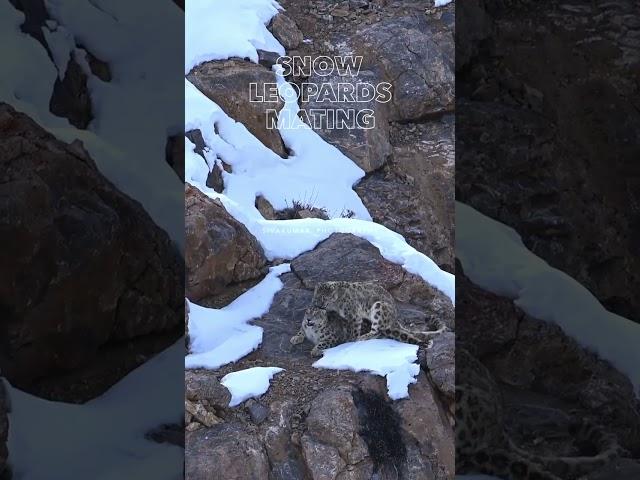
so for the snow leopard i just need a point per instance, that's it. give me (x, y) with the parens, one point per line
(339, 312)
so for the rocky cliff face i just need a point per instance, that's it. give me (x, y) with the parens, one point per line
(547, 103)
(66, 230)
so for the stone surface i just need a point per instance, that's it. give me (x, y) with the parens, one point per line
(225, 451)
(414, 194)
(67, 229)
(540, 369)
(286, 31)
(219, 249)
(416, 55)
(228, 84)
(202, 387)
(348, 258)
(366, 142)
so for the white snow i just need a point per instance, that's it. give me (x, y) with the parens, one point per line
(248, 383)
(257, 170)
(220, 29)
(442, 3)
(221, 336)
(495, 258)
(388, 358)
(104, 438)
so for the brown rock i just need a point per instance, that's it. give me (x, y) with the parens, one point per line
(228, 84)
(67, 229)
(416, 55)
(323, 461)
(349, 258)
(425, 422)
(219, 249)
(286, 31)
(368, 147)
(223, 452)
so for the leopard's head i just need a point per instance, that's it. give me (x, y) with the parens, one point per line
(314, 318)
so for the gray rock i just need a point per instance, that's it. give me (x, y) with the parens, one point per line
(348, 258)
(286, 31)
(417, 56)
(228, 84)
(257, 411)
(201, 386)
(223, 452)
(4, 428)
(440, 363)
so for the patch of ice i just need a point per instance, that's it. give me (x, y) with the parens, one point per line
(495, 258)
(248, 383)
(388, 358)
(221, 336)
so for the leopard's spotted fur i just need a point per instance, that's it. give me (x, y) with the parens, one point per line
(353, 303)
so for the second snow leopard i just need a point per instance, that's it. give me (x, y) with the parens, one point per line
(339, 311)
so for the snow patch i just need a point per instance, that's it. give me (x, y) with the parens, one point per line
(248, 383)
(220, 29)
(495, 258)
(221, 336)
(442, 3)
(385, 357)
(84, 441)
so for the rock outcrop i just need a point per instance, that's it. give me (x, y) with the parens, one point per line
(338, 424)
(416, 55)
(542, 372)
(364, 137)
(67, 229)
(228, 83)
(219, 250)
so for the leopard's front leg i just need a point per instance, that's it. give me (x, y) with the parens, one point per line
(318, 350)
(298, 338)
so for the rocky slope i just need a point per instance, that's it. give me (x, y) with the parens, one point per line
(316, 424)
(409, 155)
(69, 230)
(546, 109)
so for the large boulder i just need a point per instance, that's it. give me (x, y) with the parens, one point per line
(414, 194)
(286, 31)
(366, 141)
(87, 264)
(228, 83)
(416, 55)
(219, 250)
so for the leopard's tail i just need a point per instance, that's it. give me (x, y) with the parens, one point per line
(598, 447)
(403, 335)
